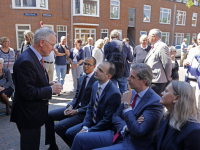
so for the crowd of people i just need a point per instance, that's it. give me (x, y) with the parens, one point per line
(120, 92)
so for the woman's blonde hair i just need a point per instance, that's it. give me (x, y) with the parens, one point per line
(29, 35)
(185, 109)
(99, 43)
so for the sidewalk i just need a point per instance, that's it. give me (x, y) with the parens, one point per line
(9, 134)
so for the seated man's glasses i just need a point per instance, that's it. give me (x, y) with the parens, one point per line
(87, 64)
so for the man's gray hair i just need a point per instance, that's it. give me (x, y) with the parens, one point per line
(155, 32)
(144, 72)
(114, 34)
(143, 36)
(42, 33)
(172, 49)
(184, 39)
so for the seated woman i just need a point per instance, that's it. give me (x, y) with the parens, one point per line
(180, 127)
(6, 86)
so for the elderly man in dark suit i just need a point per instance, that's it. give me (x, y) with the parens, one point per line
(159, 60)
(129, 134)
(88, 48)
(104, 101)
(33, 90)
(75, 111)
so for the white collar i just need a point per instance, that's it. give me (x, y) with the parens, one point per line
(103, 85)
(89, 75)
(145, 47)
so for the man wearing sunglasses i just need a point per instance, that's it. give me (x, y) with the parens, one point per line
(75, 111)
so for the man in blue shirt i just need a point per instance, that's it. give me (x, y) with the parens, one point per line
(61, 51)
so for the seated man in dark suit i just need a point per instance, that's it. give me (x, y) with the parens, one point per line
(104, 101)
(75, 111)
(129, 134)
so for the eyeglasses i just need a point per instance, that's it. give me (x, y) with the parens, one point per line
(87, 64)
(50, 43)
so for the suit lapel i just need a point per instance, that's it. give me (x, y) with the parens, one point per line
(150, 53)
(38, 64)
(91, 81)
(143, 100)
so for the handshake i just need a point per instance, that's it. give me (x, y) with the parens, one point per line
(56, 87)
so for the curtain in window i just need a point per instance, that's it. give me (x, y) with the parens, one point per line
(29, 3)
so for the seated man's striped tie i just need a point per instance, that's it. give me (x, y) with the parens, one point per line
(96, 105)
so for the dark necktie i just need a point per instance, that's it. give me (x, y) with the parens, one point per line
(91, 50)
(132, 105)
(96, 105)
(42, 62)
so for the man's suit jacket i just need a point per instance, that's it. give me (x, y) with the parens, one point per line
(141, 135)
(159, 61)
(187, 138)
(87, 50)
(32, 91)
(84, 98)
(109, 101)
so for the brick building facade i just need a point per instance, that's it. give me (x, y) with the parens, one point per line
(84, 18)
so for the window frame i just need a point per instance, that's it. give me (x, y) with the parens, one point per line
(149, 14)
(185, 1)
(167, 37)
(179, 1)
(49, 25)
(175, 42)
(119, 9)
(58, 40)
(81, 9)
(195, 3)
(16, 28)
(105, 32)
(144, 32)
(37, 5)
(169, 10)
(194, 19)
(83, 42)
(184, 17)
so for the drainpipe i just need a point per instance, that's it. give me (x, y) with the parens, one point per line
(71, 37)
(174, 21)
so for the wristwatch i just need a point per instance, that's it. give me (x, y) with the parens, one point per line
(126, 105)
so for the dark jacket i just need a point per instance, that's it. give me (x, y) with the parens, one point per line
(32, 91)
(126, 53)
(175, 68)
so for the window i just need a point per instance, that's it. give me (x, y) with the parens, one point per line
(114, 9)
(165, 15)
(165, 37)
(194, 36)
(20, 28)
(195, 2)
(179, 0)
(30, 4)
(131, 17)
(143, 32)
(104, 33)
(147, 13)
(49, 26)
(61, 31)
(180, 17)
(179, 38)
(194, 19)
(185, 1)
(86, 7)
(84, 33)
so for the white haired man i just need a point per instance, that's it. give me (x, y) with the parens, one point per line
(159, 60)
(140, 51)
(184, 49)
(33, 90)
(193, 65)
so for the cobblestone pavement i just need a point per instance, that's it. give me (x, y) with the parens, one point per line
(9, 135)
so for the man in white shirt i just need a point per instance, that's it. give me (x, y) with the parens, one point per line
(192, 65)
